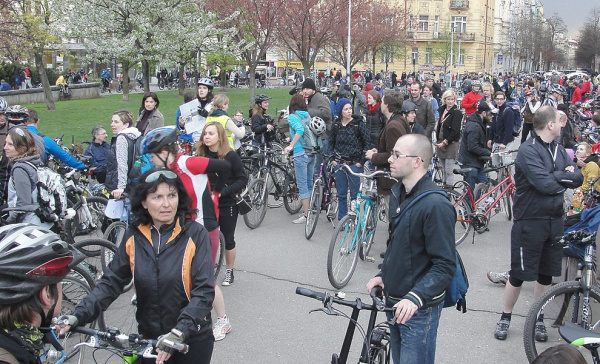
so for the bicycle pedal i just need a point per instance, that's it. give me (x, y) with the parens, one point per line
(369, 259)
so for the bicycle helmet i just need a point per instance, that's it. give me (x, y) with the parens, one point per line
(206, 82)
(260, 98)
(317, 125)
(528, 93)
(3, 105)
(30, 259)
(158, 138)
(475, 83)
(408, 106)
(559, 89)
(16, 114)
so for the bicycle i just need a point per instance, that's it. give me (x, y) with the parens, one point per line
(570, 301)
(580, 337)
(475, 208)
(128, 347)
(375, 346)
(354, 235)
(435, 170)
(323, 197)
(283, 178)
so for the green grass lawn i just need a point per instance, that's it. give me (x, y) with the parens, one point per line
(76, 118)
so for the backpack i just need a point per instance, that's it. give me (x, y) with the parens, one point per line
(457, 289)
(518, 124)
(311, 143)
(137, 163)
(544, 86)
(51, 194)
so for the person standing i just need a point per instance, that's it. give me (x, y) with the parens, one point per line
(543, 170)
(471, 99)
(501, 132)
(473, 145)
(425, 115)
(532, 104)
(149, 118)
(99, 150)
(419, 262)
(318, 106)
(448, 133)
(374, 117)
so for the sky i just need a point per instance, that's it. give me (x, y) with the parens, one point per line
(573, 12)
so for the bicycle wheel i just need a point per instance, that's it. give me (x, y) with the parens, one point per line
(561, 303)
(73, 291)
(368, 234)
(258, 199)
(115, 232)
(463, 216)
(332, 207)
(82, 224)
(220, 257)
(314, 209)
(98, 253)
(506, 202)
(343, 253)
(291, 195)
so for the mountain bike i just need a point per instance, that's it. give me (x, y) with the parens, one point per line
(323, 197)
(476, 208)
(354, 235)
(580, 337)
(577, 301)
(375, 346)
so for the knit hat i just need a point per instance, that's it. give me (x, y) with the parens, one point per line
(340, 105)
(309, 83)
(483, 106)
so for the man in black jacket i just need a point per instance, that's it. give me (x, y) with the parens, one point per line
(420, 261)
(543, 170)
(473, 148)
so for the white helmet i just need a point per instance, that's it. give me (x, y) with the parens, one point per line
(317, 125)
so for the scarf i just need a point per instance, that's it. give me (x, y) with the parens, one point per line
(28, 336)
(373, 108)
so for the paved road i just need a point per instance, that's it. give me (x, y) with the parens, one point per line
(271, 323)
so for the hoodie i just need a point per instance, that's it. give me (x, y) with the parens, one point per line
(120, 160)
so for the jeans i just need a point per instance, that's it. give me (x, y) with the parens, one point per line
(417, 344)
(475, 176)
(343, 181)
(319, 157)
(304, 167)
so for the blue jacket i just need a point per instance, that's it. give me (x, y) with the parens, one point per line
(105, 74)
(502, 126)
(182, 136)
(5, 86)
(54, 149)
(100, 154)
(296, 127)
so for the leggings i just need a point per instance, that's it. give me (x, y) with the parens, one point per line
(214, 243)
(228, 216)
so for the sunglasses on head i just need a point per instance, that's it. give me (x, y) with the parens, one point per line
(152, 177)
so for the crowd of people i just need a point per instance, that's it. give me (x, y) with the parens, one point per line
(180, 202)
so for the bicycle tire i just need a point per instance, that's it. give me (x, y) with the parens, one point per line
(73, 291)
(370, 229)
(507, 204)
(96, 206)
(220, 256)
(463, 216)
(291, 195)
(314, 209)
(343, 251)
(332, 206)
(114, 234)
(258, 200)
(558, 304)
(379, 356)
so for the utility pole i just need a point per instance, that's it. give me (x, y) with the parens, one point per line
(451, 51)
(349, 41)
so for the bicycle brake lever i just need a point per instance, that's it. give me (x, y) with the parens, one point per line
(326, 310)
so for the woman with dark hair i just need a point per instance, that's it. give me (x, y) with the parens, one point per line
(175, 292)
(262, 124)
(23, 155)
(375, 118)
(149, 118)
(304, 160)
(204, 94)
(118, 163)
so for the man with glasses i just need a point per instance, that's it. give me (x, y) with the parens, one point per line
(473, 144)
(501, 132)
(419, 263)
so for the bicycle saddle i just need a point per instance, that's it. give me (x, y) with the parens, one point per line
(463, 171)
(571, 332)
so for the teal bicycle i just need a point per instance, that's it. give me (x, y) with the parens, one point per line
(354, 235)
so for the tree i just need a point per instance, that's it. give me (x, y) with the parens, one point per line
(30, 23)
(442, 49)
(587, 42)
(254, 28)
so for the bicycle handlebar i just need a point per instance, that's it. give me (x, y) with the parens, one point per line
(327, 297)
(386, 174)
(582, 236)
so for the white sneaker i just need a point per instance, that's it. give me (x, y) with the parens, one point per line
(300, 220)
(275, 204)
(222, 328)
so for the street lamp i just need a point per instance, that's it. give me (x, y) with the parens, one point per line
(349, 39)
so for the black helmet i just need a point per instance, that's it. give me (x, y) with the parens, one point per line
(30, 259)
(260, 98)
(408, 106)
(158, 138)
(16, 114)
(206, 82)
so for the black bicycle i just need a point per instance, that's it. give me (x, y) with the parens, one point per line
(376, 347)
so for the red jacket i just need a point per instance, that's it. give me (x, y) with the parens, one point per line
(470, 101)
(577, 94)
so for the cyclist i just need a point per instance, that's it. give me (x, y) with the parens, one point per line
(219, 114)
(409, 112)
(205, 96)
(473, 145)
(106, 78)
(471, 99)
(4, 168)
(99, 150)
(118, 163)
(62, 82)
(161, 144)
(262, 123)
(33, 262)
(175, 292)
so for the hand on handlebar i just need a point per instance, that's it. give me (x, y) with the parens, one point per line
(164, 348)
(374, 282)
(65, 322)
(269, 127)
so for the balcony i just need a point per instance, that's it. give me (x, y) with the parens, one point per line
(459, 4)
(433, 36)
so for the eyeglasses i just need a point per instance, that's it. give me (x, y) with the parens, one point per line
(395, 155)
(152, 177)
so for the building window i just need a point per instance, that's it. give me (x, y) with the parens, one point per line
(387, 57)
(436, 27)
(423, 23)
(459, 24)
(428, 53)
(410, 24)
(461, 57)
(415, 54)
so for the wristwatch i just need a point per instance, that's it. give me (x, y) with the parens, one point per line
(178, 333)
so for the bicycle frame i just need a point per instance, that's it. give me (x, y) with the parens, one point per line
(267, 172)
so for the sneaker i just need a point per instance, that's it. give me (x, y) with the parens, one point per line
(300, 220)
(498, 277)
(228, 277)
(134, 300)
(275, 204)
(502, 329)
(540, 332)
(222, 328)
